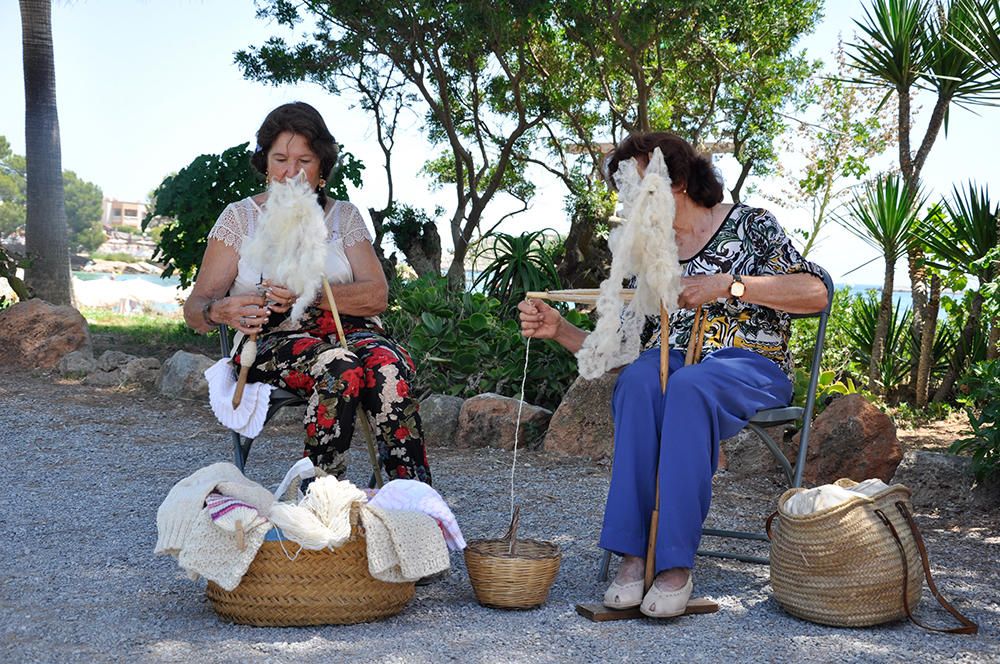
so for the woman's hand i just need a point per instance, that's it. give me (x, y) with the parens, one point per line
(538, 320)
(701, 288)
(246, 313)
(278, 298)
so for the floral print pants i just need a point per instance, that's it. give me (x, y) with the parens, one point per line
(376, 374)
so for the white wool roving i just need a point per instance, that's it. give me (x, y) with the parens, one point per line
(289, 245)
(323, 517)
(643, 246)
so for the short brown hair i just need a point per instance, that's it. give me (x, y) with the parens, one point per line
(299, 118)
(688, 168)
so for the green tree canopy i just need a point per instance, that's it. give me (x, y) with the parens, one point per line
(12, 189)
(83, 201)
(83, 212)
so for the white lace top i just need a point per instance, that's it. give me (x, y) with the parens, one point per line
(344, 225)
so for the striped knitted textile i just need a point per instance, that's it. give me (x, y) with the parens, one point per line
(226, 511)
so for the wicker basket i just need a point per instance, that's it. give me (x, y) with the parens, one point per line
(509, 573)
(328, 587)
(841, 566)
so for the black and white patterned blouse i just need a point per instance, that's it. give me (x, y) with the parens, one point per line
(750, 242)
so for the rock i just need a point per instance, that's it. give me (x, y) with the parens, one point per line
(141, 371)
(114, 359)
(104, 378)
(582, 424)
(37, 335)
(77, 363)
(183, 376)
(487, 420)
(746, 455)
(439, 417)
(851, 438)
(288, 416)
(944, 482)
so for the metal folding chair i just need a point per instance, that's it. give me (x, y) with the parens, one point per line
(771, 417)
(279, 399)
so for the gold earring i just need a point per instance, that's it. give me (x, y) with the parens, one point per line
(322, 183)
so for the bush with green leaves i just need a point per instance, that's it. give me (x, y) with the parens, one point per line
(980, 394)
(193, 199)
(467, 343)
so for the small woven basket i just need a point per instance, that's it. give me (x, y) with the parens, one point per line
(327, 587)
(841, 566)
(509, 573)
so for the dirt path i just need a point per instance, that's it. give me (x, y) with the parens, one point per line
(87, 467)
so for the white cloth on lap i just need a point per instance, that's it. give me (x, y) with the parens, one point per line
(248, 418)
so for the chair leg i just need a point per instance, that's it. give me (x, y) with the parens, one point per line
(776, 452)
(602, 570)
(241, 449)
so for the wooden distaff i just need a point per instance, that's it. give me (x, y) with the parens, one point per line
(366, 427)
(692, 356)
(576, 295)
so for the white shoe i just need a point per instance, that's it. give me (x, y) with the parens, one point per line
(624, 595)
(666, 603)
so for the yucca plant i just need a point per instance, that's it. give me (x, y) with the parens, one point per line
(884, 216)
(893, 367)
(520, 263)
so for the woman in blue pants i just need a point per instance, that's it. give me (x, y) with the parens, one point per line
(742, 270)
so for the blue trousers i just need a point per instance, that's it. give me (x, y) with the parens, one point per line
(678, 433)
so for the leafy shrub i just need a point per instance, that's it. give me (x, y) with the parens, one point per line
(465, 344)
(980, 394)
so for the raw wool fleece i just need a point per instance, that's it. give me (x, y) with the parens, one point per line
(643, 246)
(323, 517)
(289, 245)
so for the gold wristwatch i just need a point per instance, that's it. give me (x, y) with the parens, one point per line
(737, 287)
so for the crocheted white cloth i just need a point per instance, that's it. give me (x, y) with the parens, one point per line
(215, 554)
(402, 546)
(248, 418)
(414, 495)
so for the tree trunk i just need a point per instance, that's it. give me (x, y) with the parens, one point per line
(962, 350)
(423, 252)
(926, 355)
(46, 233)
(586, 258)
(881, 332)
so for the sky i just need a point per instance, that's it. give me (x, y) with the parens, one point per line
(144, 86)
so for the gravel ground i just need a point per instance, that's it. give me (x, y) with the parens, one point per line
(87, 467)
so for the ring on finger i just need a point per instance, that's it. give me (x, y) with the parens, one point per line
(243, 321)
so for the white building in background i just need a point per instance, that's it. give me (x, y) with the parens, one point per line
(122, 213)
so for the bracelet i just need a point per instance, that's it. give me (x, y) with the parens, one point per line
(206, 313)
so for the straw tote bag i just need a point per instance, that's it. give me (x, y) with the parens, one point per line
(854, 564)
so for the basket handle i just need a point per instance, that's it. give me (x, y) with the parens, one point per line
(511, 535)
(968, 627)
(767, 524)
